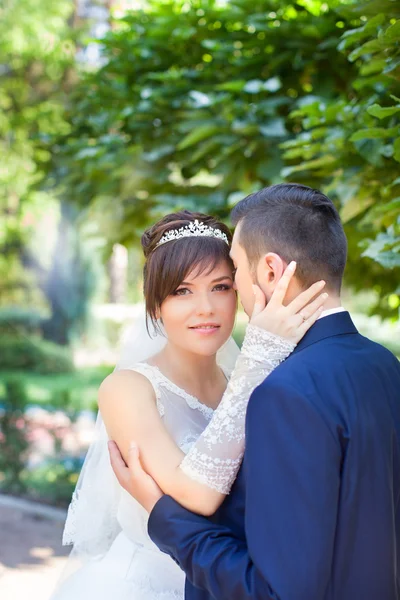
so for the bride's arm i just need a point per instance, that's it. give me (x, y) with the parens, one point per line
(201, 480)
(128, 406)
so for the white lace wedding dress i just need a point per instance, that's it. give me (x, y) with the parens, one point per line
(132, 567)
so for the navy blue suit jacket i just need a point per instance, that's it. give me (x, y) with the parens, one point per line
(315, 511)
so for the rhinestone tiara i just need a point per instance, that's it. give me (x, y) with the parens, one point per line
(194, 229)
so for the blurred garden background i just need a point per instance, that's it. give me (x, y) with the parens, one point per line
(113, 113)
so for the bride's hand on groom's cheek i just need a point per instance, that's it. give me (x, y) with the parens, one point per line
(133, 478)
(290, 321)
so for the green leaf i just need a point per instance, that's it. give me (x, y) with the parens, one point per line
(396, 147)
(373, 133)
(356, 35)
(244, 127)
(390, 206)
(317, 163)
(383, 250)
(204, 148)
(368, 48)
(375, 65)
(159, 152)
(355, 207)
(382, 112)
(392, 33)
(391, 65)
(232, 86)
(197, 135)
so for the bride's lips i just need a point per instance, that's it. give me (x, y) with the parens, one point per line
(205, 328)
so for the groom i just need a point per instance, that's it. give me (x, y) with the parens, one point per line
(315, 511)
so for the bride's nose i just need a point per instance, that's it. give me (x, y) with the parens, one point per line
(204, 305)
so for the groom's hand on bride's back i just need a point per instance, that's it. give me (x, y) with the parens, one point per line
(133, 478)
(294, 320)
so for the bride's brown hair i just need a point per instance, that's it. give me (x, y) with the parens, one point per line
(167, 265)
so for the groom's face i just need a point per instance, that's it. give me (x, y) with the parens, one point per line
(244, 277)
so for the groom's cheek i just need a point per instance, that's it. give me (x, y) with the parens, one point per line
(246, 296)
(247, 305)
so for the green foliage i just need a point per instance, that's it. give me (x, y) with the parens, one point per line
(13, 437)
(48, 390)
(36, 54)
(351, 146)
(38, 71)
(16, 320)
(191, 105)
(194, 105)
(34, 354)
(198, 104)
(64, 400)
(53, 482)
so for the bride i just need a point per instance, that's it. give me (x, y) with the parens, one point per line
(180, 391)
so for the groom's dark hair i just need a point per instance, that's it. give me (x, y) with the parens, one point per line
(297, 223)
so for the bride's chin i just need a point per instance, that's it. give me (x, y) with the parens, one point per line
(208, 347)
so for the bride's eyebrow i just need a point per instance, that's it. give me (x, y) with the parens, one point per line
(217, 280)
(221, 278)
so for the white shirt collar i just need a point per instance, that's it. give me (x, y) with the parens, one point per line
(331, 311)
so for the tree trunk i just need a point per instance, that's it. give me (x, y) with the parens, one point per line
(117, 272)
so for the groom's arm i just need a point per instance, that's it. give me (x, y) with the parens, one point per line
(292, 464)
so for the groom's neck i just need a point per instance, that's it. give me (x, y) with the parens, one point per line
(333, 301)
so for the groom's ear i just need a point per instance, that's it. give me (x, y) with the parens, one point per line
(269, 270)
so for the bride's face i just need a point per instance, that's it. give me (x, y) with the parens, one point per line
(199, 315)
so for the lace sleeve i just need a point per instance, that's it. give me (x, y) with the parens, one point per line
(216, 456)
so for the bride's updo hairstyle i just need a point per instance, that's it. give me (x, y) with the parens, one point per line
(167, 265)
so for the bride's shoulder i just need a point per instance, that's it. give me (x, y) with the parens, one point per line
(125, 384)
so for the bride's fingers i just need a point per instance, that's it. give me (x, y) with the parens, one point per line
(305, 326)
(309, 310)
(281, 288)
(259, 301)
(303, 299)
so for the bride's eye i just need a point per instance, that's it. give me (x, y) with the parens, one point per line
(181, 292)
(222, 287)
